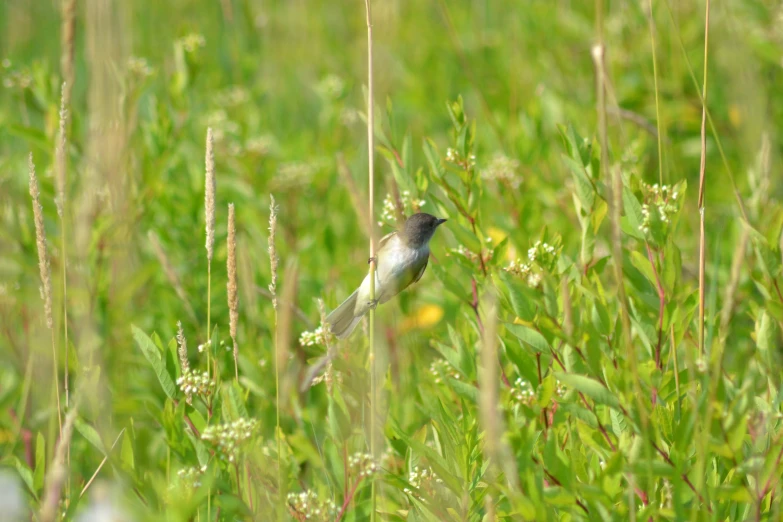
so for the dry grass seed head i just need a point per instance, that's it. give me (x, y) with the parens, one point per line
(209, 195)
(272, 250)
(40, 241)
(60, 154)
(231, 285)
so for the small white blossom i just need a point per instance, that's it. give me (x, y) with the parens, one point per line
(190, 477)
(658, 206)
(363, 464)
(410, 205)
(441, 368)
(195, 383)
(228, 438)
(423, 480)
(522, 391)
(192, 42)
(139, 67)
(307, 504)
(504, 170)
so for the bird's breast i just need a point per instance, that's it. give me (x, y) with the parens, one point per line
(398, 264)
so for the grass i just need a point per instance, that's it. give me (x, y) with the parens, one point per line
(586, 343)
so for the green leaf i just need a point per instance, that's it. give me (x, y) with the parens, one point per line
(202, 454)
(590, 387)
(126, 452)
(644, 266)
(27, 476)
(451, 284)
(464, 236)
(529, 337)
(89, 433)
(464, 390)
(767, 335)
(433, 159)
(40, 462)
(236, 399)
(672, 268)
(768, 257)
(339, 421)
(522, 303)
(633, 210)
(153, 356)
(588, 244)
(585, 190)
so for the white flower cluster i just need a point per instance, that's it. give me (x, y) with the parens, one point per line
(232, 96)
(227, 438)
(191, 476)
(453, 156)
(522, 391)
(541, 257)
(662, 198)
(262, 145)
(221, 124)
(294, 174)
(441, 368)
(349, 116)
(307, 504)
(15, 79)
(410, 205)
(544, 253)
(421, 479)
(330, 376)
(517, 267)
(363, 464)
(318, 337)
(473, 257)
(192, 42)
(192, 382)
(331, 87)
(504, 170)
(139, 67)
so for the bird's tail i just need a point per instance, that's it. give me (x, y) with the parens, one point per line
(344, 318)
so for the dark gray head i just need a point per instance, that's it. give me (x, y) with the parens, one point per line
(418, 229)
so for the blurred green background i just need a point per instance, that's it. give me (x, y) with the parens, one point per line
(282, 84)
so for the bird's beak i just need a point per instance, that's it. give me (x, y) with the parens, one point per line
(441, 221)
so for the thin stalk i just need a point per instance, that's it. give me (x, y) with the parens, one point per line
(676, 373)
(209, 312)
(616, 181)
(371, 175)
(702, 166)
(616, 209)
(60, 164)
(272, 251)
(714, 130)
(57, 383)
(657, 104)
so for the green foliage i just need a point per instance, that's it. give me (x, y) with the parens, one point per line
(588, 425)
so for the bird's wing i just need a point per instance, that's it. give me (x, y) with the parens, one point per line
(385, 239)
(421, 270)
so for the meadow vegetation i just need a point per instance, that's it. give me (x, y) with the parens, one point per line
(184, 197)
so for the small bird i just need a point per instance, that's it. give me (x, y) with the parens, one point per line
(400, 261)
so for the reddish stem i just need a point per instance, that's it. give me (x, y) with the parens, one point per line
(348, 500)
(475, 304)
(661, 306)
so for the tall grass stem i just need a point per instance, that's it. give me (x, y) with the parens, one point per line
(702, 179)
(231, 285)
(209, 216)
(657, 103)
(373, 261)
(272, 251)
(44, 270)
(60, 155)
